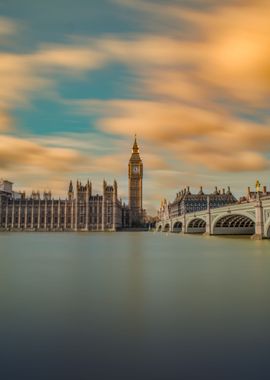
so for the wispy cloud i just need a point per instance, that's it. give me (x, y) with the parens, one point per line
(7, 27)
(16, 153)
(24, 75)
(213, 138)
(5, 121)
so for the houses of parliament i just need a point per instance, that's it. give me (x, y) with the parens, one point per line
(81, 210)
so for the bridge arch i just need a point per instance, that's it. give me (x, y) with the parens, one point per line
(196, 226)
(177, 227)
(166, 227)
(267, 228)
(234, 224)
(159, 227)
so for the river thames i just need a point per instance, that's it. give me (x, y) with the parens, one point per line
(133, 306)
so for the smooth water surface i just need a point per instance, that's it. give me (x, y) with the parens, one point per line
(133, 306)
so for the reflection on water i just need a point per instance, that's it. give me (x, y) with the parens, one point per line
(135, 285)
(133, 306)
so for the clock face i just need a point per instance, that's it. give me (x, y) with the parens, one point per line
(135, 169)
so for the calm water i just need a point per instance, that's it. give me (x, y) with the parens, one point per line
(133, 306)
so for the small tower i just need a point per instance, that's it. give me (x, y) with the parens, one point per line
(115, 189)
(89, 187)
(135, 186)
(70, 191)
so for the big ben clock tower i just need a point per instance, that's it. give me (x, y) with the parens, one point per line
(135, 177)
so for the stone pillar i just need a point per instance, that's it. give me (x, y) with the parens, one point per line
(25, 215)
(39, 212)
(184, 227)
(58, 214)
(65, 216)
(114, 214)
(259, 224)
(52, 215)
(6, 220)
(45, 214)
(76, 215)
(107, 214)
(32, 215)
(98, 205)
(103, 214)
(72, 215)
(87, 210)
(20, 214)
(13, 214)
(208, 230)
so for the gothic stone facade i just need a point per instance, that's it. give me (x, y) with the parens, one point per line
(80, 211)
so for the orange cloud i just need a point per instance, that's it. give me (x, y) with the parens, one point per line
(172, 85)
(217, 140)
(5, 121)
(236, 55)
(230, 162)
(156, 120)
(18, 80)
(69, 57)
(21, 154)
(7, 26)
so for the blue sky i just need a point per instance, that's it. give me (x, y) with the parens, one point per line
(79, 79)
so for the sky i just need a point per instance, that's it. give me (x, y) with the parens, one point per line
(79, 78)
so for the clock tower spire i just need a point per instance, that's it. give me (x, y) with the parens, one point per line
(135, 178)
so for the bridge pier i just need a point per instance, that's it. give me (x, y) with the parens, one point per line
(208, 228)
(259, 225)
(184, 226)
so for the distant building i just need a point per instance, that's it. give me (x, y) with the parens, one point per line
(80, 211)
(186, 202)
(5, 186)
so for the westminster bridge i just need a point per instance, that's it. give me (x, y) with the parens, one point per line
(247, 218)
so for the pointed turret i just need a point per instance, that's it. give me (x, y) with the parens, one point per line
(135, 148)
(201, 191)
(70, 189)
(115, 190)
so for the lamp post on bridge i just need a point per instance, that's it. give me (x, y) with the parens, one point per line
(259, 225)
(208, 218)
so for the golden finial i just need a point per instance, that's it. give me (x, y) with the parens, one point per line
(258, 186)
